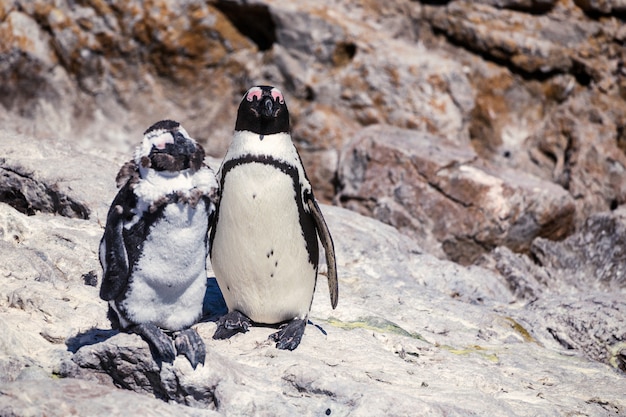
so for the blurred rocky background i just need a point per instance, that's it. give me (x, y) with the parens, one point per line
(491, 136)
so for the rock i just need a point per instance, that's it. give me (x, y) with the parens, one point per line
(533, 6)
(589, 323)
(539, 45)
(602, 6)
(591, 258)
(576, 146)
(49, 176)
(564, 126)
(56, 397)
(43, 300)
(408, 312)
(342, 78)
(81, 68)
(465, 207)
(576, 286)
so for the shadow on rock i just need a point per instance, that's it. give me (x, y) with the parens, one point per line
(90, 337)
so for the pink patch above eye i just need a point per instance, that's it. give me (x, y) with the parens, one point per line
(163, 139)
(277, 95)
(254, 92)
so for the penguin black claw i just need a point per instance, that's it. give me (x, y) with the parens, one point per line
(230, 324)
(163, 345)
(289, 335)
(189, 343)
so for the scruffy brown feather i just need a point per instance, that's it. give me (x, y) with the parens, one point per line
(127, 171)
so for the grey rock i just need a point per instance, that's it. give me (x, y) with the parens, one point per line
(575, 286)
(540, 44)
(407, 311)
(85, 398)
(602, 6)
(48, 176)
(590, 259)
(43, 300)
(590, 322)
(432, 336)
(591, 170)
(468, 207)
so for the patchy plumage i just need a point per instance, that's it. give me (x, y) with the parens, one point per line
(155, 244)
(264, 249)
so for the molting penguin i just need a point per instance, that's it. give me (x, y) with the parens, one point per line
(155, 244)
(264, 248)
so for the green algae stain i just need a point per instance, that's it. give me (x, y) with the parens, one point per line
(376, 324)
(490, 356)
(519, 329)
(617, 356)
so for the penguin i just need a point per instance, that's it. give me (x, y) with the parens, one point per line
(264, 238)
(155, 244)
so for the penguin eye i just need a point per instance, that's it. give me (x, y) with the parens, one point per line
(277, 95)
(254, 93)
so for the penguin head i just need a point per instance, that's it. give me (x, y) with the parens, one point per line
(167, 146)
(263, 111)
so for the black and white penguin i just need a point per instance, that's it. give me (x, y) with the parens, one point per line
(155, 244)
(264, 250)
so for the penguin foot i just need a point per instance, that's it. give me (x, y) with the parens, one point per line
(230, 324)
(189, 343)
(157, 339)
(289, 334)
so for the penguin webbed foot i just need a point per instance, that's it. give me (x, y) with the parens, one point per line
(189, 343)
(289, 335)
(230, 324)
(159, 341)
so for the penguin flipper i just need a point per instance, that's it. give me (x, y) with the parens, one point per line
(113, 255)
(289, 335)
(163, 345)
(329, 248)
(189, 343)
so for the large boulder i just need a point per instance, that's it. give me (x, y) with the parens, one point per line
(576, 286)
(441, 193)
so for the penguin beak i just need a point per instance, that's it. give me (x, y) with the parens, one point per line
(267, 107)
(183, 145)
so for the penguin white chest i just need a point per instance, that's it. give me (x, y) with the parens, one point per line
(259, 253)
(169, 278)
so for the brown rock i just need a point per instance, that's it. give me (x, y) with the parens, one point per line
(440, 192)
(577, 146)
(541, 44)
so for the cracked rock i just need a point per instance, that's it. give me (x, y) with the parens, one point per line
(464, 206)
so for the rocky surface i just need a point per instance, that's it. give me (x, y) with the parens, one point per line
(441, 192)
(411, 331)
(532, 87)
(489, 134)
